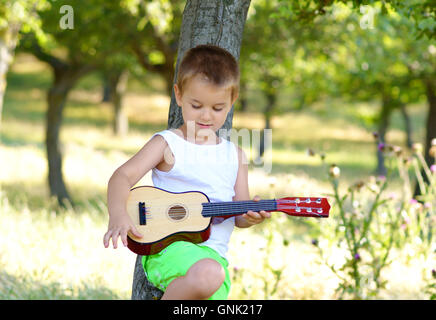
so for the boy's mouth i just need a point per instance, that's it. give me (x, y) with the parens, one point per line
(201, 125)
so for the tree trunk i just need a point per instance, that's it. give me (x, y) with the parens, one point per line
(431, 118)
(243, 96)
(8, 42)
(430, 129)
(407, 125)
(117, 82)
(106, 92)
(383, 125)
(64, 80)
(204, 22)
(271, 98)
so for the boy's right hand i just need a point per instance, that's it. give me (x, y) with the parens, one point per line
(119, 226)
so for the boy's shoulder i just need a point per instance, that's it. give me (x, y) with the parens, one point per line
(158, 140)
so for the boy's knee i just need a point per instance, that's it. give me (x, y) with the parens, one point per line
(207, 276)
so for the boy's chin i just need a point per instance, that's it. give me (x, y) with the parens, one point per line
(205, 132)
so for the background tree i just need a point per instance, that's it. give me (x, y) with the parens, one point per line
(155, 36)
(71, 54)
(381, 62)
(14, 15)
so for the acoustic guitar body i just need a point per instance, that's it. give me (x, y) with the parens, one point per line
(164, 217)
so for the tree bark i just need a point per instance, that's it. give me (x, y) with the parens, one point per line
(407, 125)
(383, 125)
(106, 92)
(430, 85)
(431, 118)
(271, 99)
(204, 22)
(8, 42)
(117, 83)
(243, 96)
(65, 78)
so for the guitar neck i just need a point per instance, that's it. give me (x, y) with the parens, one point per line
(237, 207)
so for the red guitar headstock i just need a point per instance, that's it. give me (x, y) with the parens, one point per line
(304, 206)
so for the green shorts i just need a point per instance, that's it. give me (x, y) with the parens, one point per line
(175, 260)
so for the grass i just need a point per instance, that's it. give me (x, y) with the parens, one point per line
(58, 254)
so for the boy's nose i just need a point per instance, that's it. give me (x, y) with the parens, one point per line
(205, 115)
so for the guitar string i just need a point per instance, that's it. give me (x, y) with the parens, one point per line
(220, 209)
(302, 214)
(234, 206)
(242, 203)
(211, 209)
(176, 213)
(220, 206)
(238, 207)
(234, 210)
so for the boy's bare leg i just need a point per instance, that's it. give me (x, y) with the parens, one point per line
(200, 282)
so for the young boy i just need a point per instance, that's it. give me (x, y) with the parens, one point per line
(186, 159)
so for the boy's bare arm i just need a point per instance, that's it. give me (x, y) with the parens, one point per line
(242, 193)
(120, 183)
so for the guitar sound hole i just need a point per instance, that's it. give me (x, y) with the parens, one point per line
(177, 213)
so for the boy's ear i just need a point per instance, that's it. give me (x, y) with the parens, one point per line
(235, 98)
(177, 95)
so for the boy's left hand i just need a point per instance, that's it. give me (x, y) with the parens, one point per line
(253, 217)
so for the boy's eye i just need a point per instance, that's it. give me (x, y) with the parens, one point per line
(196, 107)
(218, 109)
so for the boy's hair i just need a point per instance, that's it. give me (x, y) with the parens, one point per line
(213, 63)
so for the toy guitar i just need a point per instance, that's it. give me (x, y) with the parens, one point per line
(164, 217)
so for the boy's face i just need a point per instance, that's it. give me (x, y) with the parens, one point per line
(204, 106)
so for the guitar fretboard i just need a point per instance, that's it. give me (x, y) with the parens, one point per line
(237, 207)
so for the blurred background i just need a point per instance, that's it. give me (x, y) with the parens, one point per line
(347, 87)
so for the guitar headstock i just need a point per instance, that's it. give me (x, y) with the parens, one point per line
(304, 206)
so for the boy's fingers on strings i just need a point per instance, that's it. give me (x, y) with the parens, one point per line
(265, 214)
(256, 217)
(253, 215)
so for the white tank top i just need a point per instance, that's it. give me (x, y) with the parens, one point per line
(211, 169)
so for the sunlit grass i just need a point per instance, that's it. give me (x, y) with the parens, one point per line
(48, 253)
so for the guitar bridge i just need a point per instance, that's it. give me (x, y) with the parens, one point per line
(142, 218)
